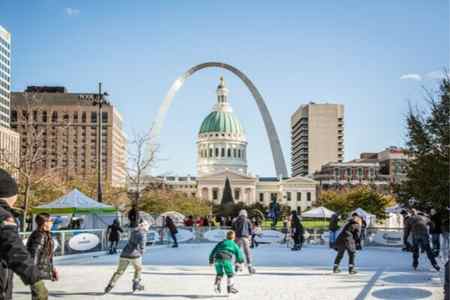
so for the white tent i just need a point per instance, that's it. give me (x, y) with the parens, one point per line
(177, 218)
(77, 205)
(369, 218)
(318, 213)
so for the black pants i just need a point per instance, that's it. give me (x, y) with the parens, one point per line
(424, 244)
(446, 283)
(174, 237)
(113, 245)
(436, 242)
(340, 255)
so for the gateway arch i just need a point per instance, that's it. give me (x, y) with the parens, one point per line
(277, 153)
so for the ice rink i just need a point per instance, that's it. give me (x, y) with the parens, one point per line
(184, 273)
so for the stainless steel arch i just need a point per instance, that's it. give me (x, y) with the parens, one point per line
(277, 153)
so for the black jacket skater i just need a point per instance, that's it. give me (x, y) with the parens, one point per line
(349, 237)
(40, 246)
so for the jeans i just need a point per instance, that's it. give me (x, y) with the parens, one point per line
(424, 244)
(174, 237)
(436, 242)
(445, 244)
(244, 243)
(332, 238)
(340, 255)
(123, 265)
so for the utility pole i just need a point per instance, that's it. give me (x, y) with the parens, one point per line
(99, 101)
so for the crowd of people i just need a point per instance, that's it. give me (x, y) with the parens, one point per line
(33, 262)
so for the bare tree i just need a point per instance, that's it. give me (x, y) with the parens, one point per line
(142, 158)
(31, 120)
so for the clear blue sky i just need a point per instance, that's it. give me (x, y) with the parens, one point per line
(371, 56)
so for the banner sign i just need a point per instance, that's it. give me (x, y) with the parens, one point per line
(84, 242)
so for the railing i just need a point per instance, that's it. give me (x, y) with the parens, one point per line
(68, 242)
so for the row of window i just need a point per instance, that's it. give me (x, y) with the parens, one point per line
(358, 172)
(6, 95)
(274, 196)
(222, 152)
(4, 85)
(5, 69)
(55, 118)
(4, 77)
(5, 60)
(4, 43)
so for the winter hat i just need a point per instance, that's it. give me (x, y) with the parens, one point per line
(243, 213)
(8, 185)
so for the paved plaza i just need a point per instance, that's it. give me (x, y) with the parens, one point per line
(184, 273)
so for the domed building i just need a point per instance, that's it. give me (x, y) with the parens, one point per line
(221, 140)
(222, 155)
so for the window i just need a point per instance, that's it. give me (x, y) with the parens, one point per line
(14, 116)
(35, 113)
(229, 152)
(288, 196)
(217, 152)
(54, 117)
(239, 153)
(234, 152)
(299, 196)
(308, 196)
(83, 117)
(104, 116)
(237, 193)
(93, 117)
(273, 196)
(349, 172)
(261, 197)
(222, 152)
(215, 194)
(210, 152)
(336, 172)
(360, 172)
(75, 116)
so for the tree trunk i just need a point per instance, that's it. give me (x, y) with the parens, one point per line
(26, 204)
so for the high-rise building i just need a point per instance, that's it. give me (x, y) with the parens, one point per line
(9, 140)
(317, 137)
(66, 125)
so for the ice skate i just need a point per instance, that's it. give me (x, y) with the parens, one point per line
(232, 290)
(336, 269)
(217, 285)
(137, 286)
(108, 289)
(436, 267)
(251, 269)
(352, 271)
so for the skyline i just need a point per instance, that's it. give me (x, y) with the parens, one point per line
(138, 69)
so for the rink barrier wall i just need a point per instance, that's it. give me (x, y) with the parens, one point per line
(76, 242)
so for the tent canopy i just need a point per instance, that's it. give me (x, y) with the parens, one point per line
(362, 213)
(318, 212)
(74, 202)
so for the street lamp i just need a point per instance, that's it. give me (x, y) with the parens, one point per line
(99, 100)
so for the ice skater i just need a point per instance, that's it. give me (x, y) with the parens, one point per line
(170, 224)
(113, 234)
(348, 240)
(222, 256)
(132, 254)
(243, 229)
(297, 231)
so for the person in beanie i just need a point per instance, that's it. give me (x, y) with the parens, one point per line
(406, 216)
(348, 240)
(14, 257)
(243, 230)
(132, 254)
(222, 256)
(40, 246)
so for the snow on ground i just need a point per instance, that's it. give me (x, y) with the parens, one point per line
(184, 273)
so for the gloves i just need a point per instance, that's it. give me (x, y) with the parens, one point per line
(55, 275)
(39, 291)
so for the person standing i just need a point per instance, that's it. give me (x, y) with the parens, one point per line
(132, 254)
(435, 231)
(14, 257)
(40, 246)
(113, 234)
(172, 230)
(133, 216)
(222, 256)
(297, 231)
(419, 231)
(348, 240)
(406, 229)
(243, 229)
(333, 227)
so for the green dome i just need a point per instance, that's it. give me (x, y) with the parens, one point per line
(222, 122)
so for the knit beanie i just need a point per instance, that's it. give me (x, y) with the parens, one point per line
(8, 185)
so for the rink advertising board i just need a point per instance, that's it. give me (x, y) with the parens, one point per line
(215, 235)
(183, 235)
(269, 236)
(389, 238)
(84, 242)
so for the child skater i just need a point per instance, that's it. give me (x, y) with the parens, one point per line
(222, 256)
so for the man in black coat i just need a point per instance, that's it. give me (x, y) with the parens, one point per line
(418, 228)
(243, 229)
(348, 240)
(170, 224)
(13, 254)
(435, 231)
